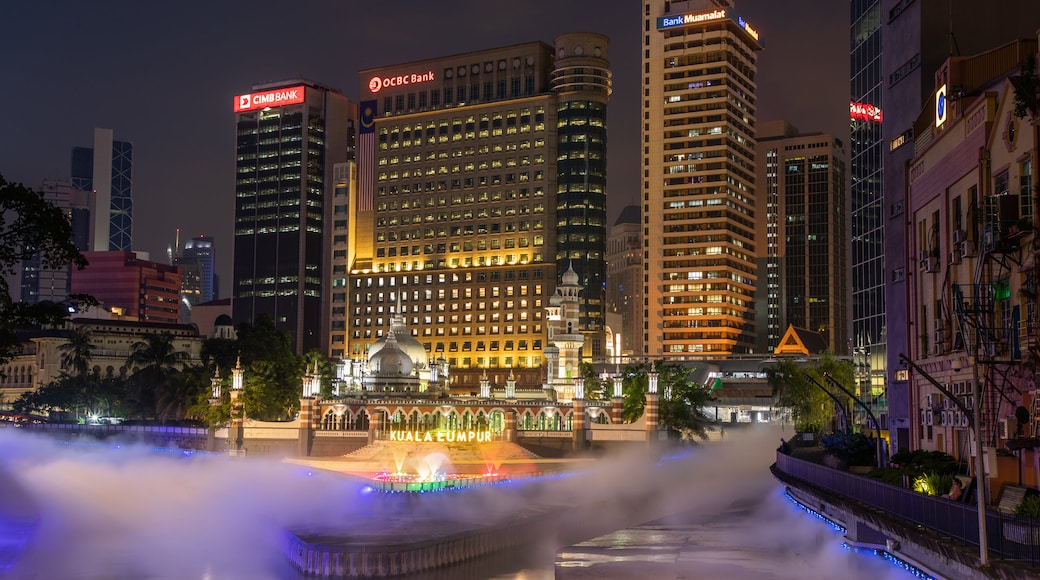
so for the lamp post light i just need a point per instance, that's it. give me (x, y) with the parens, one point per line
(974, 416)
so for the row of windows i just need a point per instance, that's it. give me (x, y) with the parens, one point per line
(459, 95)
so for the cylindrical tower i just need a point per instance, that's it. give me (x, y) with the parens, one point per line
(581, 79)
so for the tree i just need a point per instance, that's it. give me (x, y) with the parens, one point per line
(595, 389)
(682, 402)
(176, 400)
(273, 371)
(30, 227)
(152, 362)
(77, 353)
(811, 407)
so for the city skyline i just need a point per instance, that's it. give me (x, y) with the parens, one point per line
(172, 98)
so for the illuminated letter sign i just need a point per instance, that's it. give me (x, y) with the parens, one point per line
(376, 84)
(673, 21)
(940, 106)
(747, 27)
(864, 112)
(442, 436)
(275, 98)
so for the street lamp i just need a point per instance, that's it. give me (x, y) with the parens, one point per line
(877, 424)
(974, 424)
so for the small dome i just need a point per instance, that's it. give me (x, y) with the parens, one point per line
(390, 361)
(223, 320)
(570, 278)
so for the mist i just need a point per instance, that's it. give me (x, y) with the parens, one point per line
(126, 511)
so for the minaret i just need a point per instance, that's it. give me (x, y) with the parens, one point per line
(563, 321)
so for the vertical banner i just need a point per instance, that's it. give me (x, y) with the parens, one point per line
(366, 154)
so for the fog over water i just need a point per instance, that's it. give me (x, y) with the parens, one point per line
(127, 512)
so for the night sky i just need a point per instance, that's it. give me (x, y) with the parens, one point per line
(163, 75)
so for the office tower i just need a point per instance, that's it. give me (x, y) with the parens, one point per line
(625, 279)
(698, 181)
(197, 262)
(290, 135)
(39, 283)
(897, 47)
(801, 236)
(459, 196)
(132, 288)
(106, 169)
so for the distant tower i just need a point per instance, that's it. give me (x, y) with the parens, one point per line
(39, 283)
(197, 262)
(625, 278)
(802, 236)
(107, 170)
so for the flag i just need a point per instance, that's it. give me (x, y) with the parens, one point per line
(366, 155)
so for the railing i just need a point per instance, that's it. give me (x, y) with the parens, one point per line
(1008, 536)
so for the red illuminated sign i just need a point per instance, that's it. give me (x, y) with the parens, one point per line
(864, 111)
(376, 84)
(275, 98)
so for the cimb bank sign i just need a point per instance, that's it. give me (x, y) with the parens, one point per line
(274, 98)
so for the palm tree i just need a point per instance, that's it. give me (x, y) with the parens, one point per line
(77, 353)
(181, 392)
(153, 361)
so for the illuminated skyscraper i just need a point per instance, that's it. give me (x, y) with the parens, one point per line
(290, 135)
(802, 236)
(481, 177)
(625, 278)
(698, 184)
(107, 170)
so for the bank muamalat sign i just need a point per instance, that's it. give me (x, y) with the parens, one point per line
(442, 436)
(273, 98)
(376, 83)
(684, 19)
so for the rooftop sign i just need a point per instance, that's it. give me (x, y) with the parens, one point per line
(376, 83)
(666, 22)
(684, 19)
(274, 98)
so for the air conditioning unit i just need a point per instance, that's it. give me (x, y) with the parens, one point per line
(968, 249)
(922, 256)
(955, 256)
(939, 324)
(958, 236)
(931, 264)
(928, 401)
(939, 349)
(1008, 428)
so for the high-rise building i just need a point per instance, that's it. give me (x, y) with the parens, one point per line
(38, 282)
(625, 279)
(897, 47)
(197, 262)
(290, 135)
(137, 289)
(480, 175)
(698, 131)
(106, 169)
(801, 236)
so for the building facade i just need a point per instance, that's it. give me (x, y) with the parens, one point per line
(698, 184)
(802, 236)
(39, 283)
(971, 256)
(625, 280)
(457, 216)
(896, 48)
(139, 289)
(106, 171)
(290, 136)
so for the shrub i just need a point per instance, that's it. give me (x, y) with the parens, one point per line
(1030, 507)
(854, 448)
(934, 483)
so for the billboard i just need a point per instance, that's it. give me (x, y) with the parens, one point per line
(272, 98)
